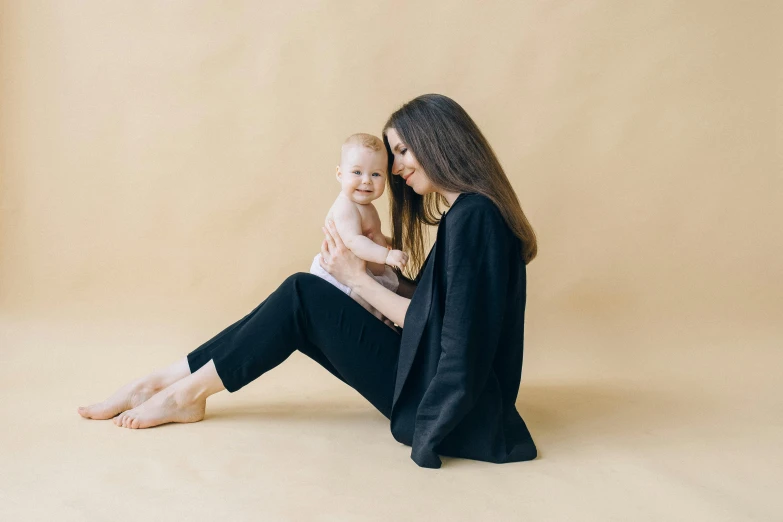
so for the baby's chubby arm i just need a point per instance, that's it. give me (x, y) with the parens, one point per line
(349, 225)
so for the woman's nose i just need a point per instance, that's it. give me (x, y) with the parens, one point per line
(397, 167)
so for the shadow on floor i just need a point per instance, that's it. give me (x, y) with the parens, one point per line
(579, 413)
(560, 416)
(296, 411)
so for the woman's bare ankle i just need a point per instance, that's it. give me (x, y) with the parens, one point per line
(167, 376)
(203, 383)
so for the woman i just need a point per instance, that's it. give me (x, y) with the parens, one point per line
(449, 381)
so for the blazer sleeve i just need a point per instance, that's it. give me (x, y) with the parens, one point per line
(477, 274)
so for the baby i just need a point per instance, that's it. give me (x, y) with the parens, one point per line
(362, 176)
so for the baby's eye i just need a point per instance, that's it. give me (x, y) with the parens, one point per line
(376, 174)
(357, 172)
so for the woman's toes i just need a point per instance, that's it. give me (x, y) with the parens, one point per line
(95, 411)
(86, 411)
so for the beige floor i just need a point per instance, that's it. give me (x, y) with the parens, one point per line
(685, 426)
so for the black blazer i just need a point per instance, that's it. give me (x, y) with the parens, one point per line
(461, 349)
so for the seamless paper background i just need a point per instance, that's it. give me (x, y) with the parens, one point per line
(164, 166)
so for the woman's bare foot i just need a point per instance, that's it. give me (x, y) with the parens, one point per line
(127, 397)
(173, 404)
(183, 401)
(133, 394)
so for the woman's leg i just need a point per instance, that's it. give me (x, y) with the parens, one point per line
(183, 401)
(305, 313)
(136, 392)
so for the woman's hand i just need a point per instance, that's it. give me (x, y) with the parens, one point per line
(338, 260)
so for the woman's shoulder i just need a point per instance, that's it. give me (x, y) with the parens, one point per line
(475, 223)
(476, 228)
(474, 207)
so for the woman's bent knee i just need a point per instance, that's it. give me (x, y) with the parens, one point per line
(310, 290)
(299, 281)
(304, 281)
(300, 285)
(297, 277)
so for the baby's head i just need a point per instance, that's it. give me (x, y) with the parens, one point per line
(362, 168)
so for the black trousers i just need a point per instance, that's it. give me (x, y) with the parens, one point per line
(308, 314)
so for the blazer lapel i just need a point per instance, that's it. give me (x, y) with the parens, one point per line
(415, 323)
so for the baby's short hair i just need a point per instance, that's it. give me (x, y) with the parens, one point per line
(364, 140)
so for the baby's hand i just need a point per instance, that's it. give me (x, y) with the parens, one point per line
(397, 258)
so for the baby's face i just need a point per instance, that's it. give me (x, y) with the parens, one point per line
(362, 173)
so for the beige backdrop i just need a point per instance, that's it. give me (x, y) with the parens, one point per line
(164, 165)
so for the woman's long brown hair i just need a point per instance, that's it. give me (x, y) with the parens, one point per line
(456, 157)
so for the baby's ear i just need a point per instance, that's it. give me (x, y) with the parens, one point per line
(339, 174)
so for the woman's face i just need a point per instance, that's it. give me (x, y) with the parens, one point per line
(405, 165)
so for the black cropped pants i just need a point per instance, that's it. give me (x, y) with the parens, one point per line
(308, 314)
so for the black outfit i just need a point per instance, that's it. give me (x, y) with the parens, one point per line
(308, 314)
(449, 382)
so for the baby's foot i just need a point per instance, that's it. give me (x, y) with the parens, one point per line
(127, 397)
(173, 404)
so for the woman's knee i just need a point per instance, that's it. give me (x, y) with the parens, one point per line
(309, 290)
(298, 280)
(299, 276)
(300, 284)
(298, 296)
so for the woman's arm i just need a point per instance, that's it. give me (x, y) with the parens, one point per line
(346, 267)
(387, 302)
